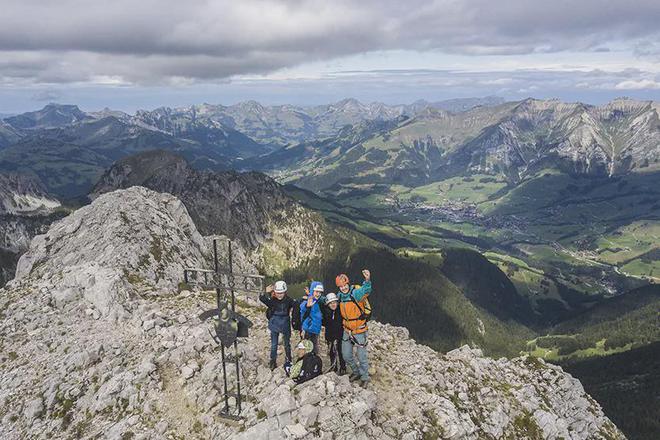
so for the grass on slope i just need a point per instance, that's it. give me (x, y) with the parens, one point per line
(616, 324)
(477, 188)
(627, 386)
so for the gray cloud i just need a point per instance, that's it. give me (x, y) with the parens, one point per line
(46, 95)
(174, 42)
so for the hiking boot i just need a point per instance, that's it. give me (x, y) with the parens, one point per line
(364, 382)
(353, 377)
(272, 365)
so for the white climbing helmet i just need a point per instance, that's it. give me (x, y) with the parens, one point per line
(331, 297)
(280, 287)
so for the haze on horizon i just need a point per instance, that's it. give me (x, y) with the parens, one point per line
(128, 55)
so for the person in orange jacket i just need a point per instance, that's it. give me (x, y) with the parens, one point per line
(353, 307)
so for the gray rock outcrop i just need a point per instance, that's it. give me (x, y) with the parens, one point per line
(107, 251)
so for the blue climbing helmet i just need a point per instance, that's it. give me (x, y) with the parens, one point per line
(315, 285)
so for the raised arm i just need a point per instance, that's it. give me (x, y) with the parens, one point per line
(267, 297)
(365, 289)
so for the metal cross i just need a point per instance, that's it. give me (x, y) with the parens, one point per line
(229, 324)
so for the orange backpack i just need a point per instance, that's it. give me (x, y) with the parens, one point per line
(355, 314)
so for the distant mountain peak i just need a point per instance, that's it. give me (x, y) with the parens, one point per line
(53, 115)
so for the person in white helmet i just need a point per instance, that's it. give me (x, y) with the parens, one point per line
(279, 319)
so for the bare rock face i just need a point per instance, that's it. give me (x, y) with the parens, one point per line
(154, 372)
(113, 248)
(22, 194)
(26, 209)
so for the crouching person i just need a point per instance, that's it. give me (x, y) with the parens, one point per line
(309, 364)
(334, 330)
(279, 319)
(355, 309)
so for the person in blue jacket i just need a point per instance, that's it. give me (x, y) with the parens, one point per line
(311, 315)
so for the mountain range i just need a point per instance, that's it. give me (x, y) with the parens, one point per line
(374, 143)
(512, 139)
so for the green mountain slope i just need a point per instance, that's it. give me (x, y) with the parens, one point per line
(626, 385)
(613, 325)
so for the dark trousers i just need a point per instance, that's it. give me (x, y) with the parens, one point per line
(315, 340)
(336, 358)
(274, 340)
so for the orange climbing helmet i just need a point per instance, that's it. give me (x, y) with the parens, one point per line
(341, 280)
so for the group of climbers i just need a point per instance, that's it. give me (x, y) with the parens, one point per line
(344, 316)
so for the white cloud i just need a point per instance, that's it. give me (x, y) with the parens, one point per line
(641, 84)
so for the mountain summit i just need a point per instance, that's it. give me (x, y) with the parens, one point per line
(98, 341)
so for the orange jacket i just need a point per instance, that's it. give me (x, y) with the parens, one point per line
(351, 312)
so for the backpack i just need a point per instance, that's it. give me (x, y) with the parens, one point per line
(356, 324)
(364, 305)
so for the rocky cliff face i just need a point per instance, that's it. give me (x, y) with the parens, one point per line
(616, 138)
(23, 194)
(26, 209)
(97, 342)
(248, 207)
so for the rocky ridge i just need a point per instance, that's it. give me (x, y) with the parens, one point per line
(97, 341)
(251, 208)
(107, 250)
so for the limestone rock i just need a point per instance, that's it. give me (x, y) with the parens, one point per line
(123, 241)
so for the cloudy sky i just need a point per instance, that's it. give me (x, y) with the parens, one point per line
(147, 53)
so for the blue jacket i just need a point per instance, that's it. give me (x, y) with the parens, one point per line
(311, 322)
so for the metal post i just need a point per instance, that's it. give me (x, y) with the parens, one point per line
(222, 347)
(221, 278)
(238, 379)
(233, 309)
(215, 254)
(224, 378)
(231, 277)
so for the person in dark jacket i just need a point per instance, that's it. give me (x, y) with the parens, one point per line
(309, 364)
(279, 319)
(311, 316)
(334, 330)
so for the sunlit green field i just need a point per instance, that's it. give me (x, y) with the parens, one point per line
(552, 354)
(474, 189)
